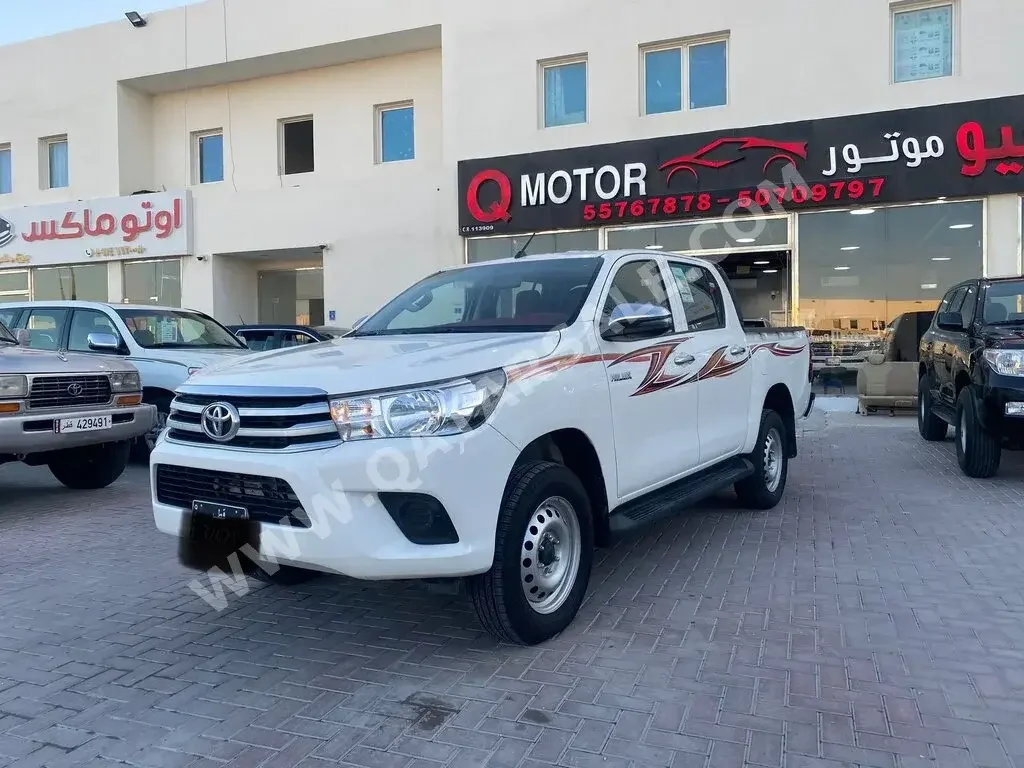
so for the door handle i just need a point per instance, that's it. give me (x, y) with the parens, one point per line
(683, 359)
(738, 350)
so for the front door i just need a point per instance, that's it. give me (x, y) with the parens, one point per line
(945, 348)
(652, 382)
(726, 375)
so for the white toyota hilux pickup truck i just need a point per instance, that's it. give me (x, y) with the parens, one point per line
(493, 423)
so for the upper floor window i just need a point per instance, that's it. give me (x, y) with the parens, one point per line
(922, 39)
(396, 135)
(295, 137)
(695, 74)
(207, 157)
(55, 161)
(565, 92)
(5, 169)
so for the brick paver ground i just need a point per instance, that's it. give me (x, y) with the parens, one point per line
(875, 619)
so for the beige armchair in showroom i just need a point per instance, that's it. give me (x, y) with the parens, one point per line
(886, 385)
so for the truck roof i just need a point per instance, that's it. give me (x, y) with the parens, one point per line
(77, 303)
(596, 254)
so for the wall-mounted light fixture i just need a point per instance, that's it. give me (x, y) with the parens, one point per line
(136, 19)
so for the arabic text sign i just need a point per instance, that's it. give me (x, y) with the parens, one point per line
(143, 226)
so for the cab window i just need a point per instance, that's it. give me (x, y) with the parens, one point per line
(701, 297)
(637, 288)
(46, 328)
(84, 322)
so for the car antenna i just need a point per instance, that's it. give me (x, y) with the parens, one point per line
(522, 251)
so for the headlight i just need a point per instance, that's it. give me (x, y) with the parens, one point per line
(125, 382)
(449, 408)
(1007, 362)
(13, 386)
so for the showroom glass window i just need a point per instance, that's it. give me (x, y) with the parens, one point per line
(5, 169)
(155, 282)
(488, 248)
(13, 285)
(85, 282)
(859, 269)
(396, 134)
(565, 93)
(922, 41)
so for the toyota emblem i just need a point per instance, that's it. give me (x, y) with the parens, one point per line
(76, 389)
(220, 421)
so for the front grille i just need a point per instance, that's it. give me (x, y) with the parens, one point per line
(265, 423)
(68, 391)
(839, 349)
(268, 499)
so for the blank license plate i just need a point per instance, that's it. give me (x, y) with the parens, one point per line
(218, 511)
(833, 361)
(83, 424)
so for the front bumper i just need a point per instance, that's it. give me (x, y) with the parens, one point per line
(351, 531)
(29, 432)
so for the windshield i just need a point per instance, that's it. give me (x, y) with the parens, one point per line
(6, 335)
(507, 297)
(1004, 304)
(177, 329)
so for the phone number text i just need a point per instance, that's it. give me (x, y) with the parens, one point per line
(762, 197)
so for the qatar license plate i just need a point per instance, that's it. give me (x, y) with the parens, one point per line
(833, 362)
(83, 424)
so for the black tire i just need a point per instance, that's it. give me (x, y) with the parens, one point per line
(142, 445)
(978, 450)
(764, 488)
(500, 595)
(91, 467)
(931, 427)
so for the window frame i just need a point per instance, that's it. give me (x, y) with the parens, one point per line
(683, 45)
(378, 130)
(897, 7)
(75, 311)
(721, 313)
(6, 147)
(281, 123)
(602, 317)
(196, 147)
(543, 66)
(46, 171)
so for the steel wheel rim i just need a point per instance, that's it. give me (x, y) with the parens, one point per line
(963, 432)
(158, 426)
(772, 460)
(550, 554)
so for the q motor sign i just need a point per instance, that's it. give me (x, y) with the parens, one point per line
(135, 226)
(950, 150)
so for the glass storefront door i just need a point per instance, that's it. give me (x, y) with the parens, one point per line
(291, 296)
(156, 281)
(85, 282)
(13, 285)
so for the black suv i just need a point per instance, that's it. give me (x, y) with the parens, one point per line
(972, 372)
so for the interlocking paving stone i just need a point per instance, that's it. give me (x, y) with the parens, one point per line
(875, 618)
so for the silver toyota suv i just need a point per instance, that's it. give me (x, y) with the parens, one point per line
(76, 414)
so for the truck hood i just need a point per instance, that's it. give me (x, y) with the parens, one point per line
(367, 363)
(28, 361)
(200, 358)
(1004, 336)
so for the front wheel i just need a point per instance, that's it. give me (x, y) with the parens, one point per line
(544, 550)
(978, 450)
(764, 488)
(91, 467)
(931, 427)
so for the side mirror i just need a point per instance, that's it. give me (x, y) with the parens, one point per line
(950, 321)
(103, 342)
(22, 336)
(640, 326)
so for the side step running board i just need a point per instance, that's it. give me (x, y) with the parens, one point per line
(669, 500)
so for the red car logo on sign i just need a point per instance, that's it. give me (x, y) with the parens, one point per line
(787, 152)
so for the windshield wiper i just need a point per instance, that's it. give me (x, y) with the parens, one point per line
(5, 340)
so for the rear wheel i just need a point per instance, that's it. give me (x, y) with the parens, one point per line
(978, 450)
(91, 467)
(764, 488)
(931, 427)
(544, 550)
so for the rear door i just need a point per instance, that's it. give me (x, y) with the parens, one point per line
(725, 379)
